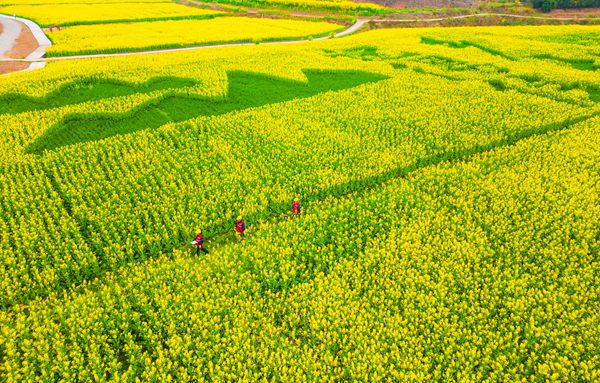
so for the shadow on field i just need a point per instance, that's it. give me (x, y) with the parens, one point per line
(461, 44)
(246, 90)
(88, 89)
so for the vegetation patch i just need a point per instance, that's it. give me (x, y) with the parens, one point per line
(577, 63)
(245, 90)
(86, 90)
(573, 38)
(464, 44)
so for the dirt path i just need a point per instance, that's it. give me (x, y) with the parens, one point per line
(11, 29)
(355, 27)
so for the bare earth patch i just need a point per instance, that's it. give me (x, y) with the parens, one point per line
(23, 46)
(6, 67)
(581, 12)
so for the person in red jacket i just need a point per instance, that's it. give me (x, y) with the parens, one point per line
(240, 227)
(199, 242)
(296, 209)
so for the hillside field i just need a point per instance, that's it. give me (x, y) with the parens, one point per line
(450, 185)
(131, 37)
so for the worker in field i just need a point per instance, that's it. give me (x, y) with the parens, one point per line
(199, 242)
(240, 227)
(296, 209)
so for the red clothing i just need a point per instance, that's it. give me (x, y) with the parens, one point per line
(296, 207)
(199, 240)
(240, 226)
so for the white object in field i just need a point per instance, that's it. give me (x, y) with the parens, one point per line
(194, 242)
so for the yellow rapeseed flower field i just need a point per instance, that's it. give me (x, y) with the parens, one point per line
(62, 14)
(333, 5)
(449, 183)
(108, 38)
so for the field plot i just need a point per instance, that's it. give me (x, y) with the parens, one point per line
(87, 13)
(338, 6)
(450, 186)
(110, 38)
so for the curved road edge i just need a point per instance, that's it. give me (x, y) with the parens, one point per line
(43, 41)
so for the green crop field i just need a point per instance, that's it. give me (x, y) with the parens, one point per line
(450, 188)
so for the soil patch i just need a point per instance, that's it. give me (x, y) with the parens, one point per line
(23, 46)
(581, 12)
(6, 67)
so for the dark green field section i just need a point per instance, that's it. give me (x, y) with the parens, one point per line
(580, 64)
(88, 89)
(245, 90)
(464, 44)
(495, 75)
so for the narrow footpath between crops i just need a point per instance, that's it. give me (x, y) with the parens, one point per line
(279, 211)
